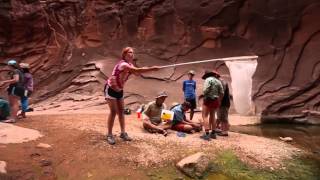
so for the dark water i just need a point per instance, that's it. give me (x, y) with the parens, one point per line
(307, 137)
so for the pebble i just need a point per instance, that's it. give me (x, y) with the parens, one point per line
(286, 139)
(45, 162)
(43, 145)
(89, 175)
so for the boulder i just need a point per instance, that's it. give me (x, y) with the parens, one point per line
(3, 166)
(195, 165)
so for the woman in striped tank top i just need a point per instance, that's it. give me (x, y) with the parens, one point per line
(114, 91)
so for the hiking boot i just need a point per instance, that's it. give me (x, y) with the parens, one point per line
(111, 140)
(213, 135)
(223, 133)
(125, 137)
(206, 137)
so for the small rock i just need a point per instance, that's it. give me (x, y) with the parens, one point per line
(89, 175)
(43, 145)
(3, 166)
(195, 165)
(45, 162)
(179, 178)
(35, 155)
(286, 139)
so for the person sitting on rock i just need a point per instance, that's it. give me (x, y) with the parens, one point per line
(180, 122)
(4, 109)
(152, 115)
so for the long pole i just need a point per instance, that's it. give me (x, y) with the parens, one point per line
(237, 58)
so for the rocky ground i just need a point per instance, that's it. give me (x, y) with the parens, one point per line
(78, 149)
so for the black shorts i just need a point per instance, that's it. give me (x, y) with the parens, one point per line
(112, 94)
(193, 103)
(17, 91)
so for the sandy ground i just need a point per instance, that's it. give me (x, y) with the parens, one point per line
(80, 150)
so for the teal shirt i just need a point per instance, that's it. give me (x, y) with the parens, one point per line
(212, 88)
(4, 108)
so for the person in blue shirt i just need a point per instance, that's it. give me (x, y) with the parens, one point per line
(189, 90)
(180, 122)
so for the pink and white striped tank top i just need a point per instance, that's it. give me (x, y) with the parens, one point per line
(119, 76)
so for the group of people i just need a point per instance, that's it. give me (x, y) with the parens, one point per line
(216, 99)
(19, 87)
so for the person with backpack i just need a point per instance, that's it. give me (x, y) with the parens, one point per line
(114, 91)
(28, 85)
(212, 94)
(15, 89)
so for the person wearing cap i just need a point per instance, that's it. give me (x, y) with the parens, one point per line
(212, 94)
(28, 85)
(15, 89)
(189, 90)
(180, 122)
(152, 115)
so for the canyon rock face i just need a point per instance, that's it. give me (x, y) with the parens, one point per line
(72, 46)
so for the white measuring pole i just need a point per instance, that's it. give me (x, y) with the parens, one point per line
(237, 58)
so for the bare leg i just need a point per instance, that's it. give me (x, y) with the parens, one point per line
(153, 128)
(188, 128)
(120, 109)
(196, 127)
(205, 114)
(212, 120)
(112, 114)
(13, 101)
(191, 113)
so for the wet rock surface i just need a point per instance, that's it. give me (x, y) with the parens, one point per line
(72, 45)
(194, 165)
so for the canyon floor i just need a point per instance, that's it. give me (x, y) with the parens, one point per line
(79, 150)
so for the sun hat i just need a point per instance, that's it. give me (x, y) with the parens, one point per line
(208, 73)
(162, 94)
(24, 65)
(192, 72)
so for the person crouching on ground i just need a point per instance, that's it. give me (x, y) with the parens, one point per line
(28, 85)
(4, 109)
(152, 115)
(223, 110)
(189, 90)
(180, 122)
(212, 94)
(114, 91)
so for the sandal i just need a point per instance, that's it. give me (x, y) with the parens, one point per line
(124, 136)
